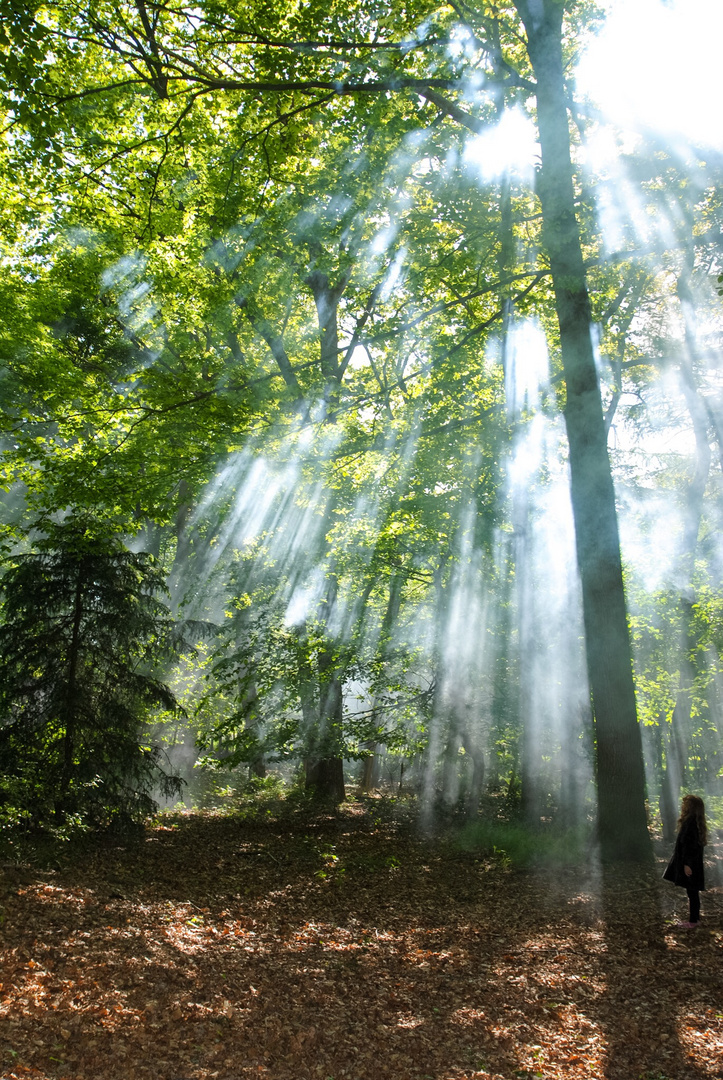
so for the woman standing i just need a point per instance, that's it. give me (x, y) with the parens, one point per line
(686, 866)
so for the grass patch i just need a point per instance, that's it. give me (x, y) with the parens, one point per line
(514, 845)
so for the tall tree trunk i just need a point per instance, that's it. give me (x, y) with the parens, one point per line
(619, 759)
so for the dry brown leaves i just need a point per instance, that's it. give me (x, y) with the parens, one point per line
(347, 946)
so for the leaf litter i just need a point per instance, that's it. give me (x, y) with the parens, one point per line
(347, 946)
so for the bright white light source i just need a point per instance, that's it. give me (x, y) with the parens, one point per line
(510, 147)
(656, 65)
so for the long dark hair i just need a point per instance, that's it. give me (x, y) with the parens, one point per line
(693, 809)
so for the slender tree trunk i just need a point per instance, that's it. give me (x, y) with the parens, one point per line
(326, 772)
(325, 766)
(370, 771)
(530, 757)
(438, 723)
(181, 523)
(70, 705)
(476, 781)
(674, 775)
(370, 774)
(619, 759)
(257, 767)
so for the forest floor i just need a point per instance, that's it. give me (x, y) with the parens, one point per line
(346, 946)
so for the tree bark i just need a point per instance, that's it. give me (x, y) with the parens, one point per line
(325, 778)
(619, 760)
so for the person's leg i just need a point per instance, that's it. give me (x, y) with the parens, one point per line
(694, 903)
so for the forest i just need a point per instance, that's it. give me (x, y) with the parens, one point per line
(360, 513)
(330, 386)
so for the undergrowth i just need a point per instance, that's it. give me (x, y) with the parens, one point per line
(513, 844)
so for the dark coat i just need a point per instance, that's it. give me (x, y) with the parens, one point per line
(688, 852)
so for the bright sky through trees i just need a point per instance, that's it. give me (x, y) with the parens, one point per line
(657, 65)
(511, 146)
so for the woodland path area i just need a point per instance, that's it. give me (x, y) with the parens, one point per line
(345, 945)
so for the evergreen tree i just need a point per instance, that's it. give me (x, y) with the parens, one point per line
(82, 632)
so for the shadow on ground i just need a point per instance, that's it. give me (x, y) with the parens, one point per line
(344, 946)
